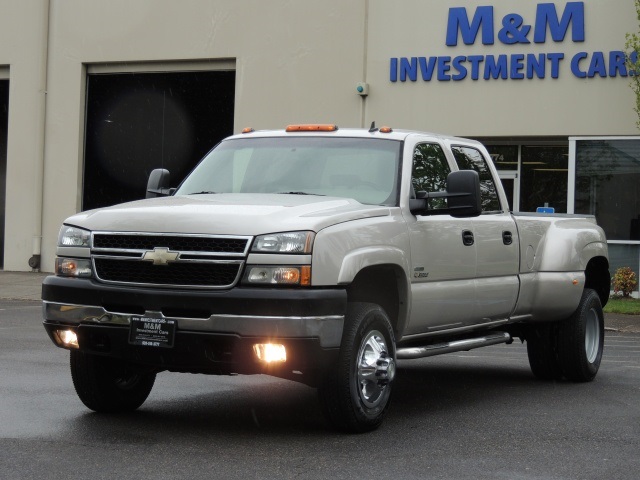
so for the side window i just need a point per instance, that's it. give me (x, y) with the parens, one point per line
(430, 170)
(469, 158)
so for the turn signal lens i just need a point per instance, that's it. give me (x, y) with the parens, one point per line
(73, 267)
(312, 128)
(280, 275)
(270, 352)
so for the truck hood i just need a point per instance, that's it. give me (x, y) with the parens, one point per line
(226, 214)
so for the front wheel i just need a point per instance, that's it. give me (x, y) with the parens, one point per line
(109, 385)
(355, 393)
(581, 339)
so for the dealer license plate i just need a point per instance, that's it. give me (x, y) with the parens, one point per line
(152, 332)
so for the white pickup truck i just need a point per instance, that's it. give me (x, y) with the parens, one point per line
(324, 256)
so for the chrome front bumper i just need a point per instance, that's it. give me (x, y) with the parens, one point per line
(327, 329)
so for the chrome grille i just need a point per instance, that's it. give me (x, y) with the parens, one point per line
(169, 260)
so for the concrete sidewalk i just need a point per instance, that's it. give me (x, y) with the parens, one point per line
(27, 286)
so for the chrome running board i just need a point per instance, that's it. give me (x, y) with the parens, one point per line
(454, 346)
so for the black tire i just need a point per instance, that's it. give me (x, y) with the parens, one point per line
(109, 385)
(355, 394)
(542, 351)
(581, 339)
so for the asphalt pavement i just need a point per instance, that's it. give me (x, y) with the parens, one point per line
(478, 415)
(27, 286)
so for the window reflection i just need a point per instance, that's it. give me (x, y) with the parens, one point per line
(430, 170)
(471, 159)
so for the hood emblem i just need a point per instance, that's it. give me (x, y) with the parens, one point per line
(160, 256)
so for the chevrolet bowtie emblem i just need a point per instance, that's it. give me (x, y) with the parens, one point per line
(160, 256)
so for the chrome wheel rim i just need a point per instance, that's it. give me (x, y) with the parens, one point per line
(592, 335)
(375, 369)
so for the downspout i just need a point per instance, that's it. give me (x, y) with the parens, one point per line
(365, 59)
(38, 180)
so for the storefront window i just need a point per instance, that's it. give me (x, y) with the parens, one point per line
(607, 180)
(505, 157)
(544, 173)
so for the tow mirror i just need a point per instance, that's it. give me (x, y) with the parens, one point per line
(462, 194)
(158, 183)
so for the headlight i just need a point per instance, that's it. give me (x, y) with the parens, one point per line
(289, 242)
(74, 237)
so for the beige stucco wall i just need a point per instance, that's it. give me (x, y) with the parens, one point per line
(22, 39)
(295, 61)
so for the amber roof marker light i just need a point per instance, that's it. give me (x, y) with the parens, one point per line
(312, 128)
(248, 130)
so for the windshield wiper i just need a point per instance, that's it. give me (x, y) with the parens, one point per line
(202, 193)
(301, 193)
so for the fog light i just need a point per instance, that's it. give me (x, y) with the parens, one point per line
(67, 338)
(270, 352)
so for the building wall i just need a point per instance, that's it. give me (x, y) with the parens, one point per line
(22, 54)
(527, 107)
(295, 62)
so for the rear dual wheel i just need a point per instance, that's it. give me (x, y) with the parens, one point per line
(571, 348)
(581, 339)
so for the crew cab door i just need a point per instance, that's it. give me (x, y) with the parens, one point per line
(496, 240)
(443, 253)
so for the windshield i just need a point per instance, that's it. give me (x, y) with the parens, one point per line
(365, 169)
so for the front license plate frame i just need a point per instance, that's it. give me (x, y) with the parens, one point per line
(152, 332)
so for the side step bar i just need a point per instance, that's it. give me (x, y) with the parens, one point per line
(454, 346)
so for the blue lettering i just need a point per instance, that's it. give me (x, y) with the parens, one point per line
(546, 15)
(575, 64)
(597, 65)
(617, 65)
(393, 70)
(513, 30)
(475, 61)
(517, 66)
(462, 70)
(426, 69)
(555, 63)
(536, 65)
(408, 68)
(459, 22)
(443, 68)
(493, 69)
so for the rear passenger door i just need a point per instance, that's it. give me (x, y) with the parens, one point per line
(496, 240)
